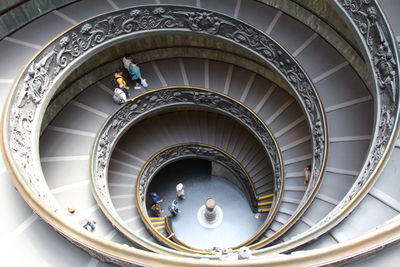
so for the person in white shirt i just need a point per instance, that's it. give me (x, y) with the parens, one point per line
(180, 191)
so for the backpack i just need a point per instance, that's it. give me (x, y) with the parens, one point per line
(114, 83)
(117, 100)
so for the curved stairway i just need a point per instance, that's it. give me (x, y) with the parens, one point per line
(155, 134)
(348, 105)
(69, 141)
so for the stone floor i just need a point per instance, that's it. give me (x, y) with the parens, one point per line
(239, 222)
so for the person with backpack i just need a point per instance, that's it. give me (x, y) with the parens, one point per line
(120, 87)
(134, 72)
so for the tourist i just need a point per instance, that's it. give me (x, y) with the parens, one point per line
(174, 208)
(155, 198)
(81, 220)
(89, 225)
(156, 209)
(307, 174)
(244, 253)
(180, 191)
(121, 92)
(134, 72)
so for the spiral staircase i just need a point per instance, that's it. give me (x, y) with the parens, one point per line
(268, 86)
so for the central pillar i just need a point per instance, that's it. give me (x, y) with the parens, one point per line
(210, 213)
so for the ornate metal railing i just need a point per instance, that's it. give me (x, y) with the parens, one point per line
(161, 99)
(368, 21)
(38, 82)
